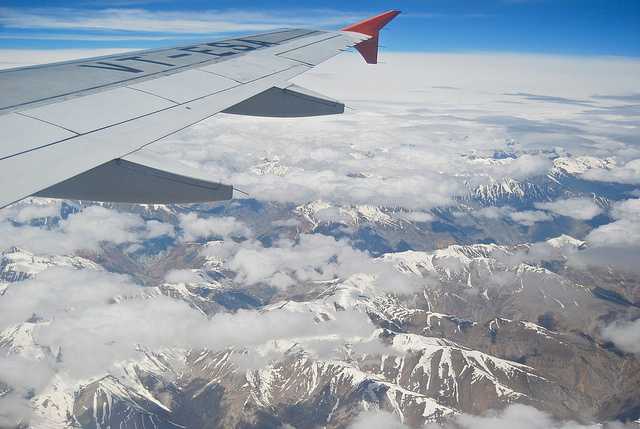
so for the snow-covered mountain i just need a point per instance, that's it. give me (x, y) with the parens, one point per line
(495, 320)
(18, 264)
(426, 358)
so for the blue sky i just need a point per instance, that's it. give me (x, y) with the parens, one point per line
(583, 27)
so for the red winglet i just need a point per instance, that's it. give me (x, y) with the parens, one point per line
(371, 27)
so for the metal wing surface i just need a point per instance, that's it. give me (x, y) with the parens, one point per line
(73, 129)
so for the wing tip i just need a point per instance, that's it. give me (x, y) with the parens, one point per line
(371, 27)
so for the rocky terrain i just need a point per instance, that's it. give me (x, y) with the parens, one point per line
(489, 322)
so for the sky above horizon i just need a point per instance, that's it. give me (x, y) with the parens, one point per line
(576, 27)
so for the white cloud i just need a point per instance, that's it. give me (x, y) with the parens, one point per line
(96, 224)
(624, 231)
(34, 209)
(528, 165)
(516, 416)
(111, 316)
(530, 217)
(556, 249)
(24, 377)
(145, 20)
(522, 167)
(615, 244)
(418, 216)
(377, 419)
(334, 215)
(182, 276)
(493, 212)
(627, 209)
(196, 228)
(577, 208)
(58, 289)
(628, 173)
(309, 258)
(85, 230)
(625, 335)
(157, 229)
(404, 144)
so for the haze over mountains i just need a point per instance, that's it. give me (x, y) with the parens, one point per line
(459, 249)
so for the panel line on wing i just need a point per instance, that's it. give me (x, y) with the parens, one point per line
(308, 44)
(219, 75)
(151, 51)
(147, 75)
(155, 95)
(142, 116)
(254, 80)
(94, 88)
(46, 122)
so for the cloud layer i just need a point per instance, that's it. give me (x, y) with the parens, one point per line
(85, 230)
(577, 208)
(514, 416)
(155, 21)
(406, 141)
(310, 258)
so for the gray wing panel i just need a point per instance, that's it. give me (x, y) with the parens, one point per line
(124, 181)
(21, 133)
(27, 173)
(44, 84)
(75, 133)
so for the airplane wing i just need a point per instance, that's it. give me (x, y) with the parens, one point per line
(75, 129)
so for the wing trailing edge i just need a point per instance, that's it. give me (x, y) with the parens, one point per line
(371, 27)
(288, 101)
(139, 178)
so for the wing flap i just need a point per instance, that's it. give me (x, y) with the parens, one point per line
(137, 179)
(289, 101)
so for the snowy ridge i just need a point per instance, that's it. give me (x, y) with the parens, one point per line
(467, 262)
(508, 189)
(111, 401)
(303, 379)
(477, 282)
(443, 368)
(318, 212)
(270, 166)
(449, 262)
(580, 164)
(565, 241)
(53, 408)
(353, 293)
(18, 339)
(17, 264)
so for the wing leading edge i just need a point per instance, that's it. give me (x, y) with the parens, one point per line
(74, 130)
